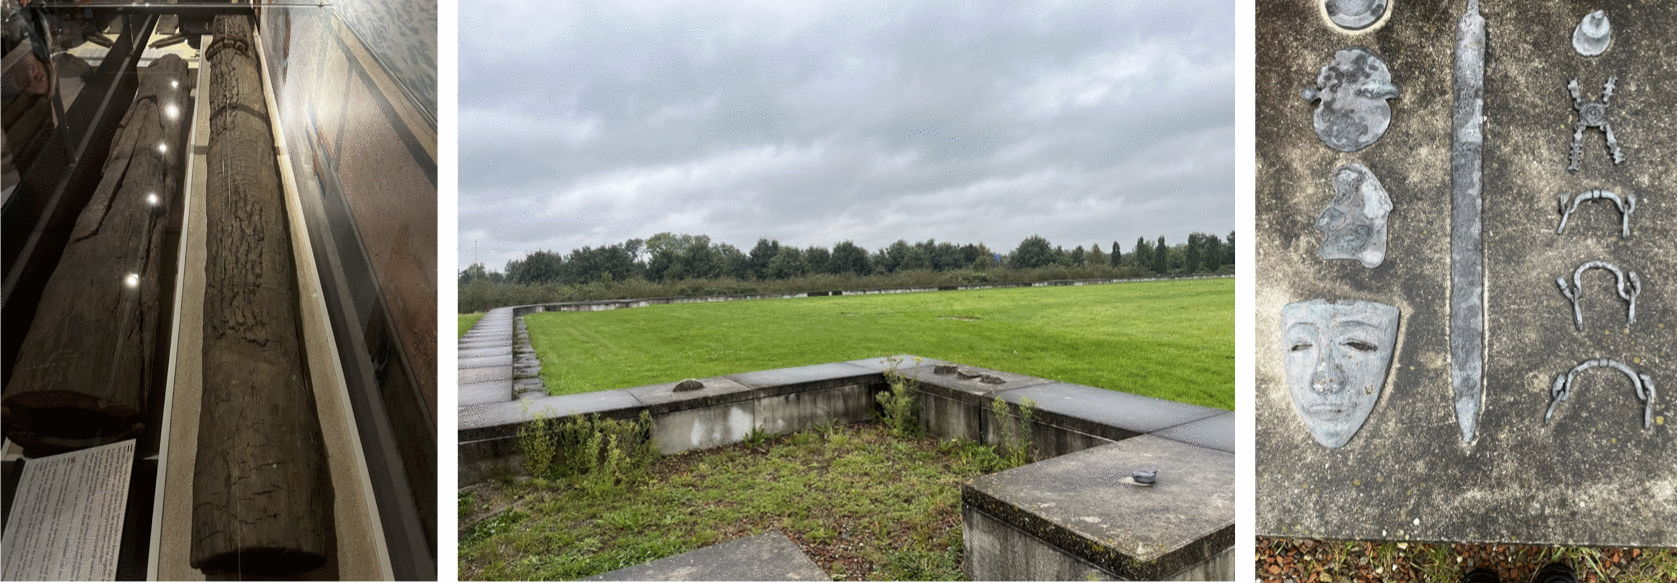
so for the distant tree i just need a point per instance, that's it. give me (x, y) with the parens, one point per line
(849, 258)
(1096, 256)
(1116, 256)
(1192, 261)
(1212, 252)
(473, 272)
(947, 256)
(915, 258)
(732, 262)
(1034, 251)
(890, 259)
(816, 258)
(982, 257)
(1228, 250)
(1141, 255)
(539, 267)
(760, 257)
(1161, 256)
(1077, 256)
(788, 263)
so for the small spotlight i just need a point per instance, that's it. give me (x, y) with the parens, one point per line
(172, 111)
(132, 281)
(162, 148)
(174, 84)
(152, 199)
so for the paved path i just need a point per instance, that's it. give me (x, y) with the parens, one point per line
(485, 359)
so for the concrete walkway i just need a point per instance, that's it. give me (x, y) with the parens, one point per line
(485, 359)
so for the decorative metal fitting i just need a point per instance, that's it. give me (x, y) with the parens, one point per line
(1627, 289)
(1642, 383)
(1355, 14)
(1353, 90)
(1144, 476)
(1626, 206)
(1592, 114)
(1593, 35)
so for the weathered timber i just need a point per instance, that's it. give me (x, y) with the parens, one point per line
(261, 498)
(85, 369)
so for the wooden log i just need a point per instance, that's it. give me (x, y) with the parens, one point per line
(86, 367)
(261, 497)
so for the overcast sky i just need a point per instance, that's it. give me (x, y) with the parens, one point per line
(818, 122)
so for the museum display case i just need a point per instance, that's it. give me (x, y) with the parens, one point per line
(220, 279)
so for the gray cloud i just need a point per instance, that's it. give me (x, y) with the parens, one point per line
(814, 123)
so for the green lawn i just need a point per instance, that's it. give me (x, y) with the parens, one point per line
(467, 321)
(1166, 339)
(860, 501)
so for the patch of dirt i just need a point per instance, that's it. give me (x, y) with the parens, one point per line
(961, 318)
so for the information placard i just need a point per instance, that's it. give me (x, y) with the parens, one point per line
(66, 520)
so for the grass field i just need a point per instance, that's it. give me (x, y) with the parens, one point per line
(1166, 339)
(860, 501)
(467, 321)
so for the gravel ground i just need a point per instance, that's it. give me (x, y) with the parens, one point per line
(1314, 561)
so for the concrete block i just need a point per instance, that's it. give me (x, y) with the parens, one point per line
(1076, 505)
(903, 362)
(466, 353)
(468, 376)
(1215, 432)
(485, 361)
(679, 431)
(1111, 414)
(485, 392)
(832, 372)
(662, 397)
(795, 411)
(766, 557)
(499, 420)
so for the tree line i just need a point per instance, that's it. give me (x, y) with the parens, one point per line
(669, 258)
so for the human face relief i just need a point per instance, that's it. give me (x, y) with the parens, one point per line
(1337, 354)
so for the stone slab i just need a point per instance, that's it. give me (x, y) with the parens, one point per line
(832, 371)
(902, 362)
(1215, 432)
(485, 392)
(953, 383)
(499, 343)
(1075, 502)
(466, 376)
(484, 361)
(765, 557)
(663, 396)
(464, 353)
(492, 420)
(1125, 411)
(1406, 474)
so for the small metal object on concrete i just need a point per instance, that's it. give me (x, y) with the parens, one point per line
(1337, 354)
(1467, 253)
(1145, 477)
(943, 369)
(1353, 89)
(1592, 114)
(1355, 14)
(1643, 385)
(1626, 205)
(1629, 287)
(1593, 35)
(1354, 224)
(688, 385)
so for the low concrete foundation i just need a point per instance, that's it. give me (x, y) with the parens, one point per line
(1072, 517)
(1055, 519)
